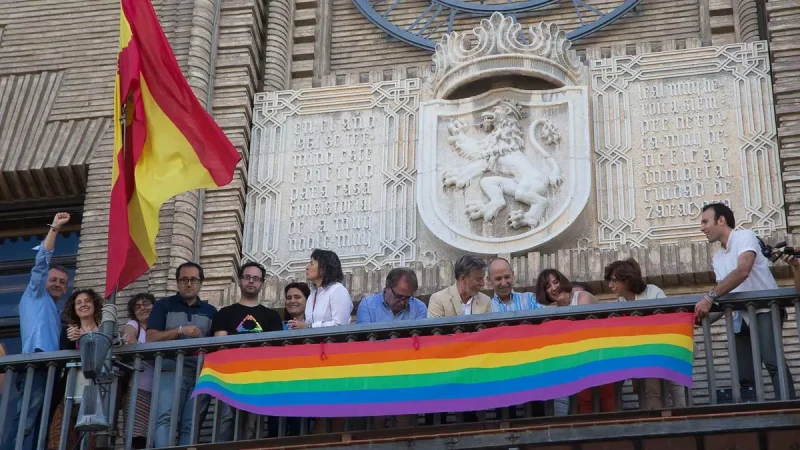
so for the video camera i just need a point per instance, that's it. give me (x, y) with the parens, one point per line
(771, 254)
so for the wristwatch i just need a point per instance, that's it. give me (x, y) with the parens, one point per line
(712, 296)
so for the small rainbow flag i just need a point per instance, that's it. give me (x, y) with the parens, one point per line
(491, 368)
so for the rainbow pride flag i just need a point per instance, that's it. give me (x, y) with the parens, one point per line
(492, 368)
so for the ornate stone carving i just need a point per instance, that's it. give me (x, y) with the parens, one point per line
(502, 152)
(333, 168)
(500, 46)
(676, 130)
(505, 171)
(278, 56)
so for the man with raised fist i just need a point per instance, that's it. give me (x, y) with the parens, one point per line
(40, 327)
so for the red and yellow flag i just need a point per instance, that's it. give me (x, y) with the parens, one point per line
(172, 145)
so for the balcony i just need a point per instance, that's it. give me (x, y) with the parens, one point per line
(717, 415)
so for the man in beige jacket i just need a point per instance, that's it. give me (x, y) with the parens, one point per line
(463, 298)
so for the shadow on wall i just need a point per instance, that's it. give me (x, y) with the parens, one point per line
(482, 85)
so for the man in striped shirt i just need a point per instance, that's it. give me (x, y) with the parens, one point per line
(501, 278)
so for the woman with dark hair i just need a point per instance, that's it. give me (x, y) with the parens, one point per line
(135, 332)
(555, 289)
(329, 303)
(296, 296)
(624, 278)
(81, 315)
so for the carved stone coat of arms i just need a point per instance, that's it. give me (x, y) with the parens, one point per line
(505, 171)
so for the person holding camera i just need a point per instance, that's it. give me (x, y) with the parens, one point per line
(740, 267)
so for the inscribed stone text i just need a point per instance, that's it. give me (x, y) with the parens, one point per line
(332, 171)
(682, 131)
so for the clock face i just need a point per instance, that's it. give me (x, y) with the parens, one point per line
(423, 22)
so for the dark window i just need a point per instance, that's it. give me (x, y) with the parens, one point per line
(21, 230)
(12, 344)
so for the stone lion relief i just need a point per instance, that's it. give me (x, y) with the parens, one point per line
(503, 164)
(504, 171)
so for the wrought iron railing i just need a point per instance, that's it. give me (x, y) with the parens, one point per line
(206, 429)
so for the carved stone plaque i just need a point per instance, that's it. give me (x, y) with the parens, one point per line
(505, 171)
(674, 131)
(333, 168)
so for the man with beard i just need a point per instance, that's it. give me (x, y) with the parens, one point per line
(40, 326)
(179, 316)
(245, 317)
(739, 266)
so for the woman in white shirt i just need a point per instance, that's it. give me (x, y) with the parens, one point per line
(330, 303)
(135, 332)
(624, 278)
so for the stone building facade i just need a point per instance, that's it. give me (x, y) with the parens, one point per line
(57, 63)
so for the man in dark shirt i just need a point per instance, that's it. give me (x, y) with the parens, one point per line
(247, 315)
(244, 317)
(181, 316)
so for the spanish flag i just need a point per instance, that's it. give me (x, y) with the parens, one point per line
(172, 145)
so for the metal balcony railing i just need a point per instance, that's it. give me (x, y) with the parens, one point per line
(714, 376)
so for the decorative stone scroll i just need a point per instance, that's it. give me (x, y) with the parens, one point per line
(677, 130)
(333, 168)
(505, 171)
(499, 46)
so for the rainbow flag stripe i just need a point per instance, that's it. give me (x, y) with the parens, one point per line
(491, 368)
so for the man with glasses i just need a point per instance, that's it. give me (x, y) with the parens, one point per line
(395, 302)
(180, 316)
(244, 317)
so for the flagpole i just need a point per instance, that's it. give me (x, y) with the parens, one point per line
(122, 123)
(109, 324)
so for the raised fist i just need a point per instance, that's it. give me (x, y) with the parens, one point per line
(60, 219)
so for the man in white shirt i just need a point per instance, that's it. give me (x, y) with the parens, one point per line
(739, 266)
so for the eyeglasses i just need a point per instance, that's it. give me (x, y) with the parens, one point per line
(142, 305)
(187, 281)
(398, 296)
(251, 278)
